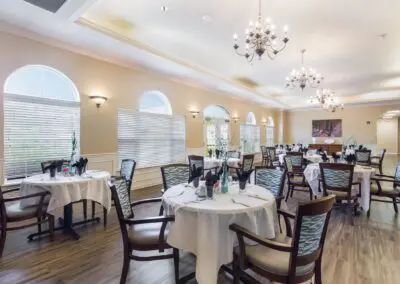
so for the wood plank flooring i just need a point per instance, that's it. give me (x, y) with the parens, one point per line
(368, 252)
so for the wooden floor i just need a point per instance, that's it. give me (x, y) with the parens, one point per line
(368, 252)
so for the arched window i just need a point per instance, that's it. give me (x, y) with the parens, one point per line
(270, 131)
(41, 115)
(155, 102)
(152, 136)
(217, 132)
(250, 135)
(251, 119)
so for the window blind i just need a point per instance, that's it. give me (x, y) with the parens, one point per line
(36, 130)
(250, 138)
(151, 139)
(270, 135)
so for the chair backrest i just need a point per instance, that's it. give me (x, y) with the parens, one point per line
(127, 170)
(297, 158)
(336, 177)
(271, 179)
(264, 152)
(120, 195)
(288, 164)
(363, 156)
(198, 161)
(62, 163)
(271, 152)
(311, 224)
(382, 156)
(233, 154)
(397, 174)
(175, 174)
(247, 163)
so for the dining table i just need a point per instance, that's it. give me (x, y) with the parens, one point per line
(202, 225)
(363, 174)
(64, 190)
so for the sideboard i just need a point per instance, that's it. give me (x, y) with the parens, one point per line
(329, 148)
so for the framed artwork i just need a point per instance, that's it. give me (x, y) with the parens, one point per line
(327, 128)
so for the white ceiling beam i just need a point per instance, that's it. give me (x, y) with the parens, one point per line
(74, 9)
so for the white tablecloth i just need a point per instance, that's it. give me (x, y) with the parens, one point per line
(92, 185)
(214, 162)
(314, 158)
(364, 174)
(203, 228)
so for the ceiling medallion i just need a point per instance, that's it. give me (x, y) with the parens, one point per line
(305, 77)
(326, 99)
(261, 39)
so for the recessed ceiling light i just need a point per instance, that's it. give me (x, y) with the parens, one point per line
(164, 8)
(207, 18)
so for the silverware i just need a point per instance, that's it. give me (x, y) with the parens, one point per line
(257, 196)
(236, 202)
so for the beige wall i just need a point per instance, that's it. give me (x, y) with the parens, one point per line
(387, 135)
(123, 87)
(354, 124)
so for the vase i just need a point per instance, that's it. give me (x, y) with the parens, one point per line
(242, 185)
(224, 186)
(210, 191)
(196, 182)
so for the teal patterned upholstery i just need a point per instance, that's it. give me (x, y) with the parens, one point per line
(122, 193)
(288, 163)
(248, 163)
(397, 173)
(127, 168)
(311, 233)
(197, 163)
(174, 175)
(296, 160)
(363, 157)
(270, 179)
(233, 154)
(272, 153)
(337, 178)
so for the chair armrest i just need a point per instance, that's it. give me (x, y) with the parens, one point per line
(381, 179)
(150, 200)
(39, 194)
(243, 232)
(286, 216)
(286, 213)
(10, 190)
(375, 157)
(385, 176)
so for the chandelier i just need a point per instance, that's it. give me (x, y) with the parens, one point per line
(261, 39)
(327, 100)
(304, 77)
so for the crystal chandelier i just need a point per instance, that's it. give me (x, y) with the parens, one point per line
(261, 39)
(303, 77)
(327, 100)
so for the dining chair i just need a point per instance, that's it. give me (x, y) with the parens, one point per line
(297, 161)
(296, 259)
(271, 179)
(174, 174)
(264, 154)
(337, 179)
(272, 157)
(386, 186)
(126, 171)
(363, 157)
(233, 154)
(295, 178)
(44, 165)
(377, 161)
(247, 163)
(11, 211)
(145, 234)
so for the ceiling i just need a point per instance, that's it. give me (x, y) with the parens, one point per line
(192, 41)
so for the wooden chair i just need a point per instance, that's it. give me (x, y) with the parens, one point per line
(233, 154)
(265, 157)
(337, 179)
(272, 157)
(377, 161)
(386, 186)
(11, 212)
(296, 259)
(295, 178)
(127, 171)
(271, 179)
(363, 157)
(148, 234)
(84, 201)
(247, 162)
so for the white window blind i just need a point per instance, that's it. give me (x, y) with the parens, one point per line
(36, 130)
(250, 138)
(270, 135)
(151, 139)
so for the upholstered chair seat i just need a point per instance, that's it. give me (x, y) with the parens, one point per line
(147, 235)
(16, 213)
(282, 238)
(387, 189)
(341, 194)
(298, 180)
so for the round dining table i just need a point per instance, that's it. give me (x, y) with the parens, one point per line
(363, 174)
(202, 225)
(91, 185)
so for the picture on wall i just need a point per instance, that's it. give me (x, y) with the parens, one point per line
(327, 128)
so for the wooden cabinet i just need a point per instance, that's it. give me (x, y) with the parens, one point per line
(329, 148)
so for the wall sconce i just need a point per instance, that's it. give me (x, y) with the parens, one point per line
(235, 119)
(99, 100)
(194, 113)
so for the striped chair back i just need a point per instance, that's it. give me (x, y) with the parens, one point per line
(174, 174)
(127, 170)
(247, 163)
(288, 164)
(271, 153)
(120, 194)
(271, 179)
(233, 154)
(198, 161)
(363, 156)
(336, 177)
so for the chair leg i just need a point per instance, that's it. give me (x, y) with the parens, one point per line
(291, 192)
(369, 209)
(380, 169)
(236, 269)
(84, 209)
(318, 274)
(311, 193)
(51, 226)
(176, 264)
(105, 217)
(161, 211)
(125, 268)
(93, 209)
(288, 192)
(39, 225)
(395, 205)
(2, 240)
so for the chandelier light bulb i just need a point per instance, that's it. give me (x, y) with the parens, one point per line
(235, 37)
(285, 29)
